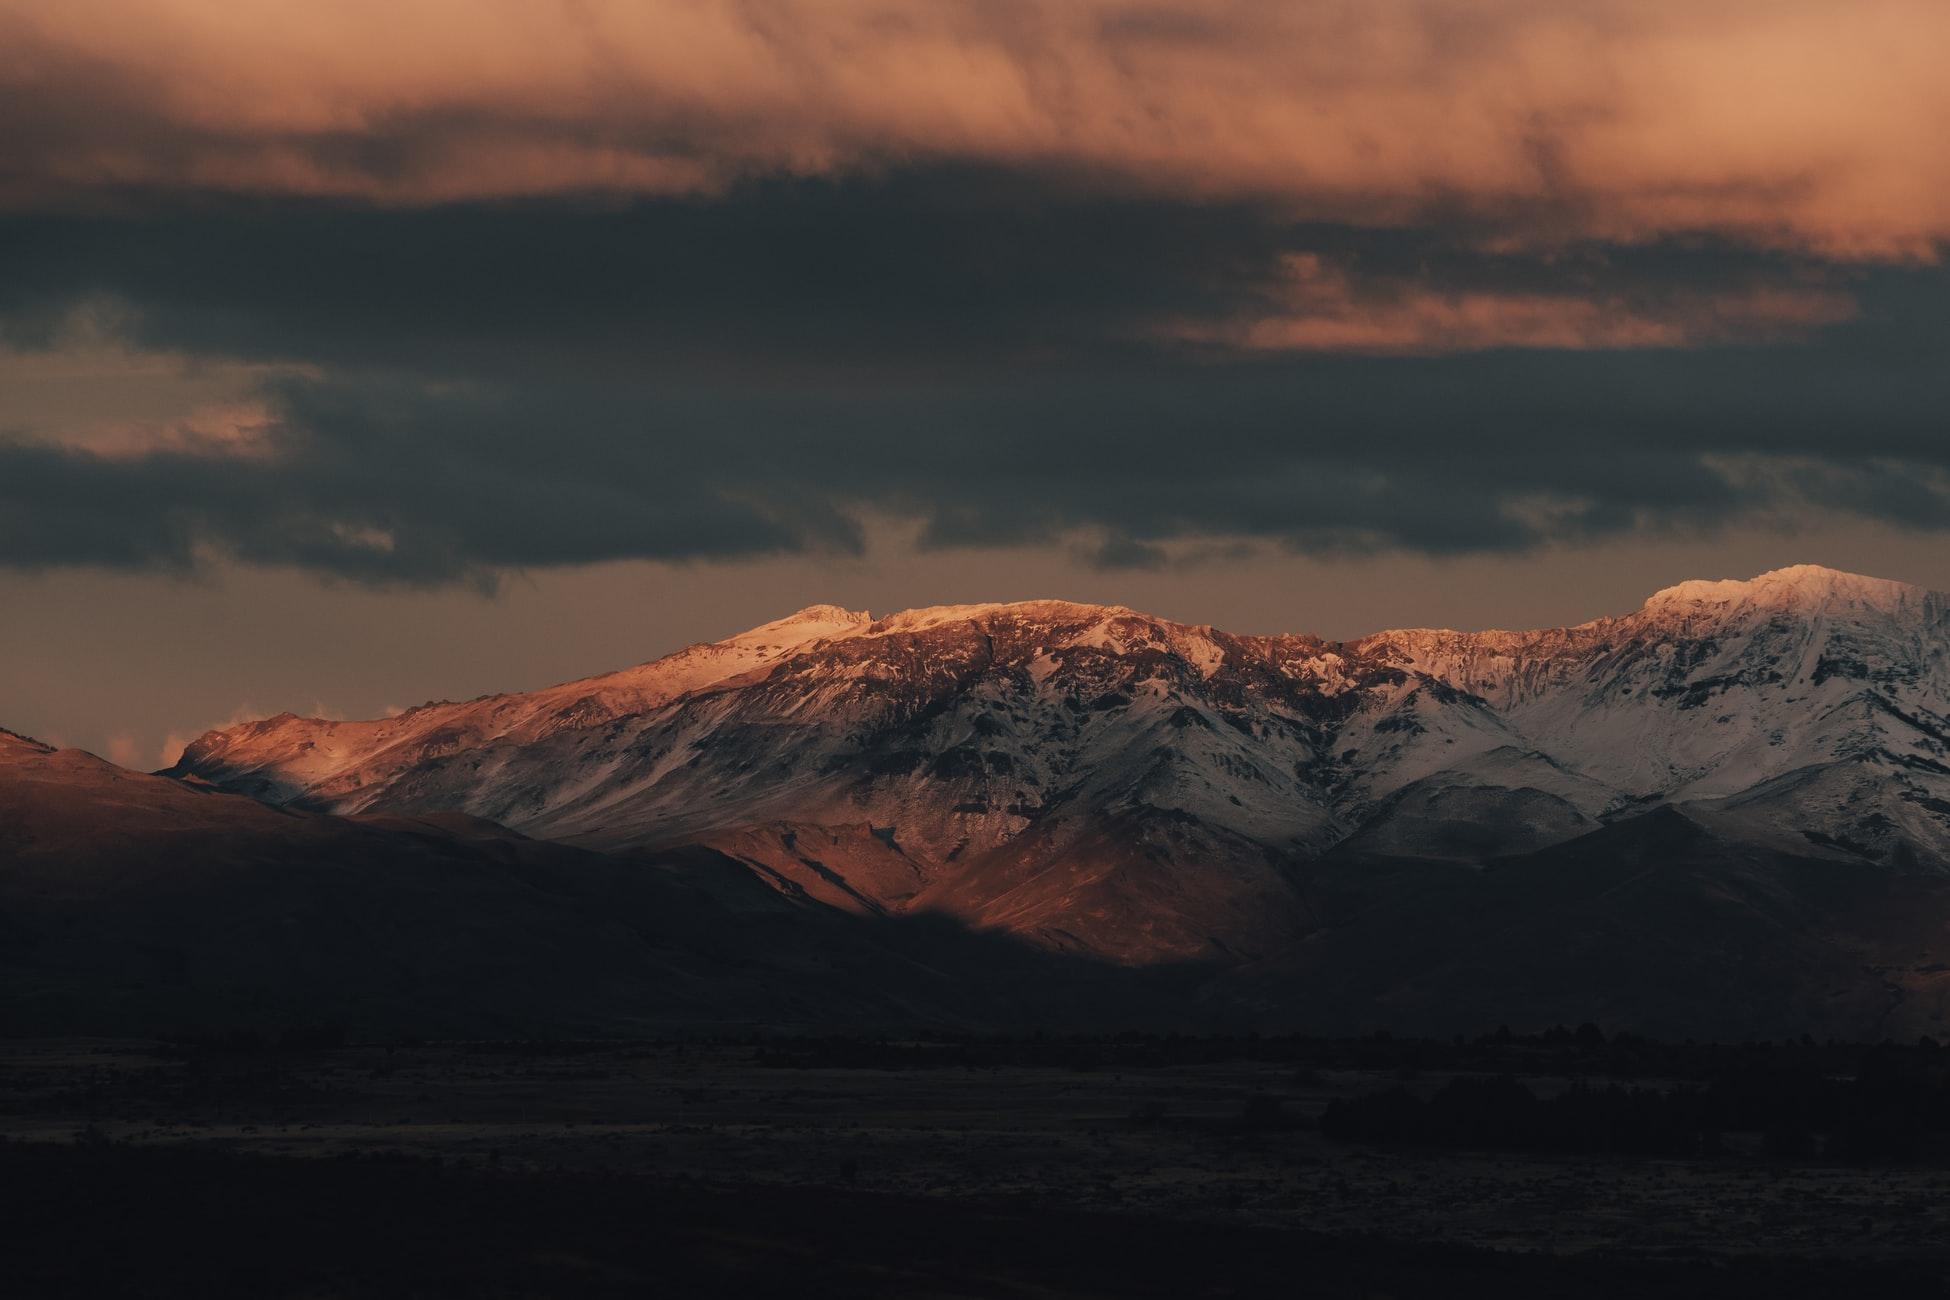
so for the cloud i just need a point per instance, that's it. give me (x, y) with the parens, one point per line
(391, 482)
(1775, 122)
(80, 383)
(941, 269)
(383, 480)
(224, 429)
(429, 293)
(1319, 307)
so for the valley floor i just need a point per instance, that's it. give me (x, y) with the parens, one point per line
(567, 1169)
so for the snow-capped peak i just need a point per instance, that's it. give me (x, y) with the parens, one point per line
(1052, 611)
(1799, 587)
(837, 615)
(813, 623)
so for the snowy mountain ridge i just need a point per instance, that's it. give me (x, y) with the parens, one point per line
(1095, 775)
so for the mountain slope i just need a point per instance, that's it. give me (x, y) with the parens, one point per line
(137, 904)
(1103, 781)
(1657, 923)
(1711, 687)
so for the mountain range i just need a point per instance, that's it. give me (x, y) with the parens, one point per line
(1725, 812)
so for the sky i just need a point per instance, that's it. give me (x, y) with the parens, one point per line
(360, 354)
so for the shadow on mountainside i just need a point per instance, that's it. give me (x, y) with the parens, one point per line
(140, 904)
(1652, 923)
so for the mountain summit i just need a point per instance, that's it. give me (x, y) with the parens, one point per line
(1096, 778)
(1798, 587)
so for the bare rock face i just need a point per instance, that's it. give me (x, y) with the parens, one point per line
(1102, 781)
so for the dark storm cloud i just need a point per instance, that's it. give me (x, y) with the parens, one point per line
(945, 267)
(999, 357)
(935, 266)
(386, 481)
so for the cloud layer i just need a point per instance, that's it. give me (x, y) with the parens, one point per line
(383, 479)
(432, 292)
(1780, 122)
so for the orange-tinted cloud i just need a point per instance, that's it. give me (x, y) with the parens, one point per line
(1798, 123)
(124, 750)
(1321, 308)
